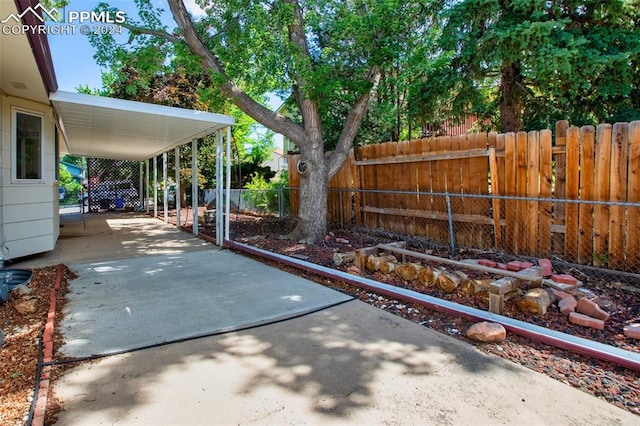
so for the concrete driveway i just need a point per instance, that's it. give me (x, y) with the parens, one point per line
(343, 362)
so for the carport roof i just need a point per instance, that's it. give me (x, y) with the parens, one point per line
(97, 126)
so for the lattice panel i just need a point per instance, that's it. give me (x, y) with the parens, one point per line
(112, 184)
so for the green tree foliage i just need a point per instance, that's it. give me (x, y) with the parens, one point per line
(71, 187)
(527, 63)
(327, 55)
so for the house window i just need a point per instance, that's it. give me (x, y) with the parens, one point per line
(28, 146)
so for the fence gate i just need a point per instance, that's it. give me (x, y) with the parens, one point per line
(112, 184)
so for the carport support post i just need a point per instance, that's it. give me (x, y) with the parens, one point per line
(146, 184)
(140, 183)
(177, 193)
(165, 190)
(155, 186)
(228, 204)
(219, 189)
(194, 184)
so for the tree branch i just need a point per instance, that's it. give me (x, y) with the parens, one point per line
(308, 108)
(272, 120)
(352, 123)
(162, 34)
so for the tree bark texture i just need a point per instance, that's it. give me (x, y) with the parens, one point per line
(511, 102)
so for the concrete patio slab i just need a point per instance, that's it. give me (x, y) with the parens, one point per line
(128, 304)
(351, 364)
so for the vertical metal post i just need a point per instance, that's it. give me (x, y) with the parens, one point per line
(194, 184)
(146, 184)
(165, 189)
(219, 190)
(227, 208)
(452, 238)
(155, 186)
(341, 209)
(140, 183)
(178, 201)
(281, 201)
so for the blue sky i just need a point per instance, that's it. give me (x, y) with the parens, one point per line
(73, 55)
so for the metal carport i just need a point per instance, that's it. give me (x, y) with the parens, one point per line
(102, 127)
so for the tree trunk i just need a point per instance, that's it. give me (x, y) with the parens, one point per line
(511, 94)
(312, 212)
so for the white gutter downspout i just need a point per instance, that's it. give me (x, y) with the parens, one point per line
(177, 193)
(194, 184)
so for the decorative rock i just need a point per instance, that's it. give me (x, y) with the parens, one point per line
(342, 241)
(515, 265)
(547, 269)
(587, 321)
(27, 306)
(564, 279)
(487, 262)
(591, 308)
(560, 294)
(488, 332)
(632, 331)
(567, 305)
(353, 269)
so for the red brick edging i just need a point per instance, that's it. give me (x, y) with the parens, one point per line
(47, 355)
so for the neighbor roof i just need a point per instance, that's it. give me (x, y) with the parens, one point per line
(97, 126)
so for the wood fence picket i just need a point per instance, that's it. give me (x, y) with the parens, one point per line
(584, 164)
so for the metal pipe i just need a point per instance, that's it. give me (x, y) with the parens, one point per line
(571, 343)
(452, 238)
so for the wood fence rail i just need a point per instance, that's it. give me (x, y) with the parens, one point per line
(534, 170)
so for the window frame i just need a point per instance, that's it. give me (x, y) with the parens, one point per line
(14, 145)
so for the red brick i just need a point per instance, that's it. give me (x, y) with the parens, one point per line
(632, 330)
(487, 262)
(525, 265)
(560, 294)
(567, 305)
(564, 278)
(586, 321)
(546, 266)
(591, 308)
(514, 266)
(502, 266)
(353, 269)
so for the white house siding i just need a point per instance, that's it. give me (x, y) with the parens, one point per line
(28, 211)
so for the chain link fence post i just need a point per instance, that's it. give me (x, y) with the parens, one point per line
(452, 238)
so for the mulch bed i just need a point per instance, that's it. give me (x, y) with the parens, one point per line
(22, 319)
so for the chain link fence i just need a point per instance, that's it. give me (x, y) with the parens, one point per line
(591, 239)
(112, 185)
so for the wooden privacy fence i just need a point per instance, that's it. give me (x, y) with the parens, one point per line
(575, 196)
